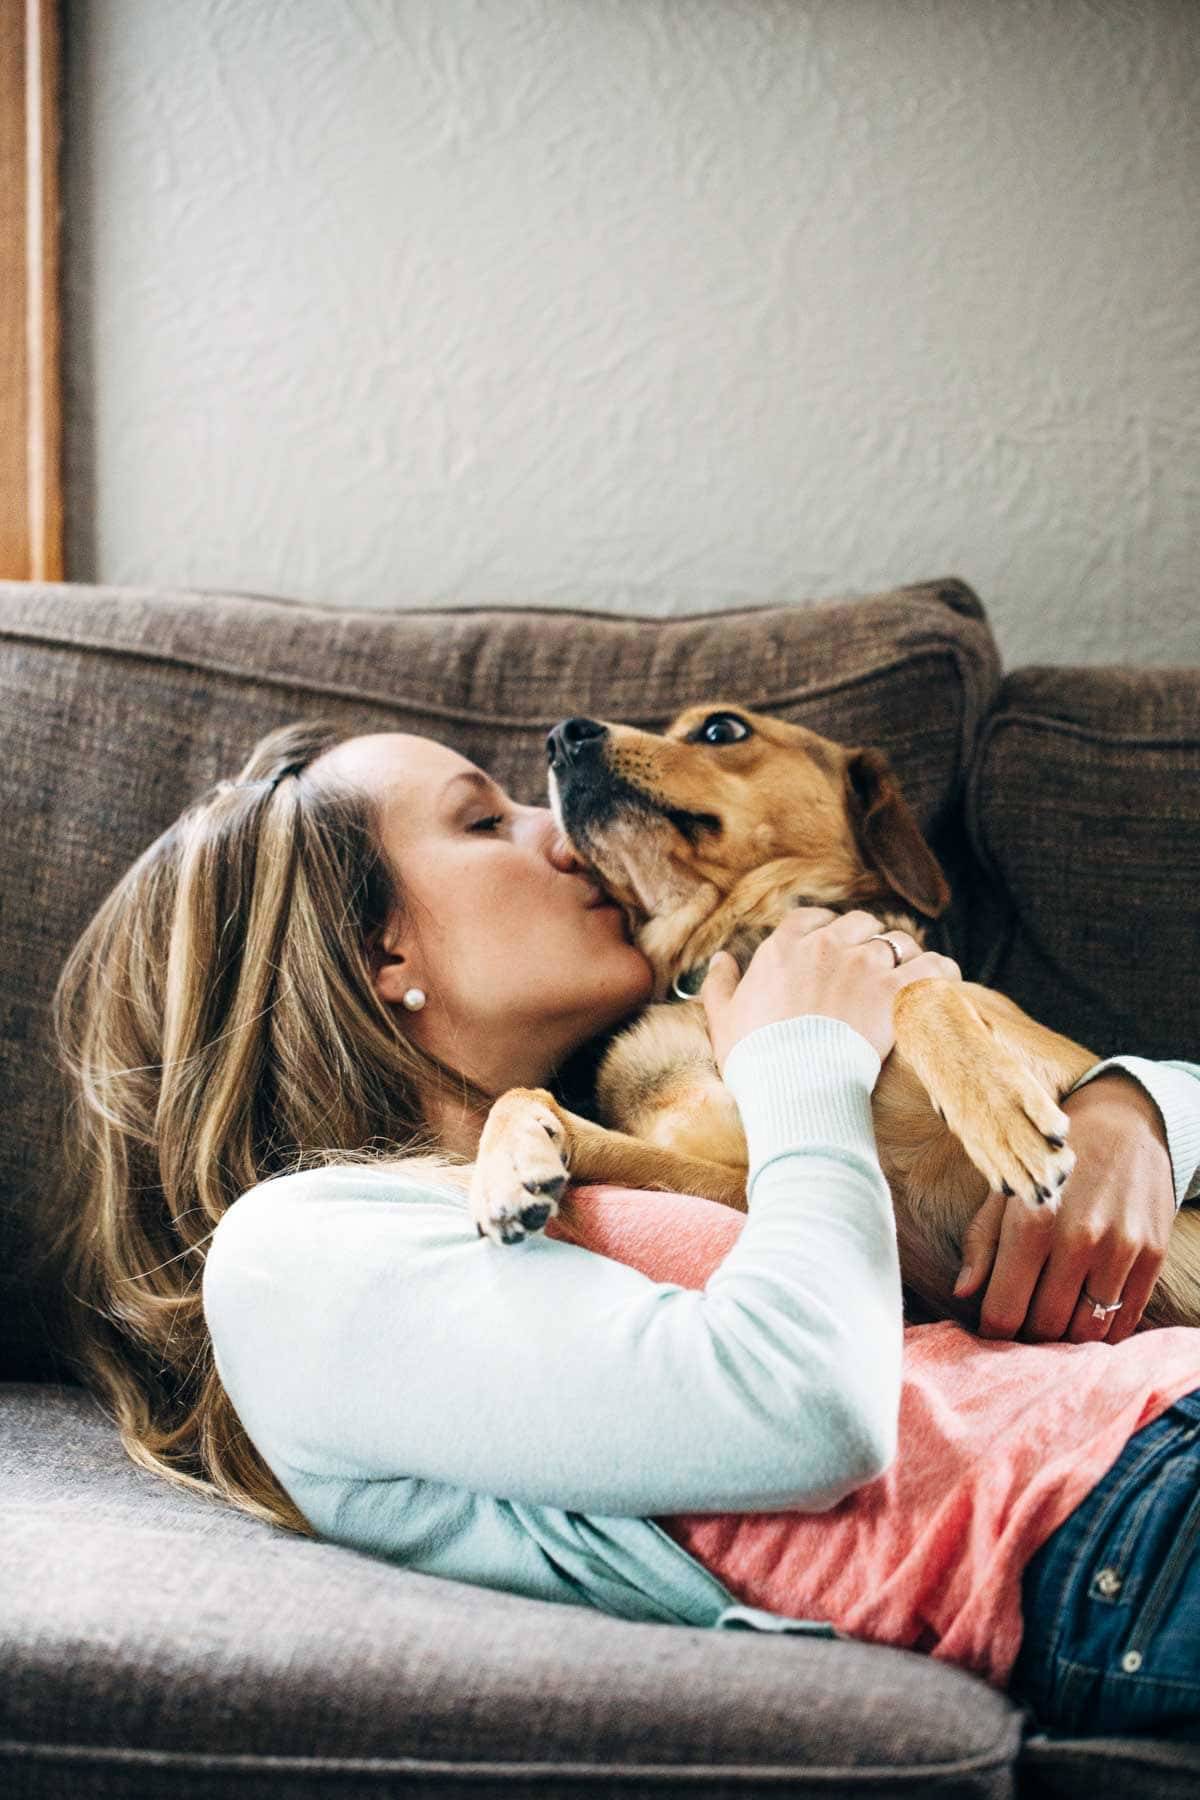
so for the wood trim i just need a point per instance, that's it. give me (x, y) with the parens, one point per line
(31, 503)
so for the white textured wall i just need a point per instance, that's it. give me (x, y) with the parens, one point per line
(650, 305)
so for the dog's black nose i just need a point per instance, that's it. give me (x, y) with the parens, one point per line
(567, 739)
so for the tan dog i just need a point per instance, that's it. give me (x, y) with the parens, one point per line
(706, 836)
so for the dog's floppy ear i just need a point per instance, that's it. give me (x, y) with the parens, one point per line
(888, 835)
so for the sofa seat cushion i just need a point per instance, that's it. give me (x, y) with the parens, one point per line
(1083, 808)
(139, 1618)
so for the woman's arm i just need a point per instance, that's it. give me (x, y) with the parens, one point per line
(1135, 1128)
(361, 1326)
(1174, 1087)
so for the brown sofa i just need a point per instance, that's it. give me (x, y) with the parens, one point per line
(157, 1644)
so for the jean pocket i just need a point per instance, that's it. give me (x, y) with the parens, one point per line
(1182, 1557)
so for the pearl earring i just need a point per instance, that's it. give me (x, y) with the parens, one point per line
(414, 999)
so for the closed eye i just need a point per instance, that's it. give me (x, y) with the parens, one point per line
(495, 819)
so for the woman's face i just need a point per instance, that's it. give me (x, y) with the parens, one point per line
(518, 965)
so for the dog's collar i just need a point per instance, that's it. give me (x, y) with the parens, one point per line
(688, 983)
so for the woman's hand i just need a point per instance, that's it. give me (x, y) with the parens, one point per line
(817, 961)
(1110, 1233)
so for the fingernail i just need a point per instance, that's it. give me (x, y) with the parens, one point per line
(965, 1277)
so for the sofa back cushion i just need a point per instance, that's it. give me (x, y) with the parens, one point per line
(1083, 809)
(120, 705)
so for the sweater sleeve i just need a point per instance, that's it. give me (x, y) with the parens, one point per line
(1175, 1089)
(361, 1326)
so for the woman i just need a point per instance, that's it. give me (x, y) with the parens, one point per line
(304, 996)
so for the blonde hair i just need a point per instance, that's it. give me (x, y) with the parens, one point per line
(218, 1026)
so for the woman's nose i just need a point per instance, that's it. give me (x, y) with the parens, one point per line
(559, 847)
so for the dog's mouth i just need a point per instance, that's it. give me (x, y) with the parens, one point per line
(615, 826)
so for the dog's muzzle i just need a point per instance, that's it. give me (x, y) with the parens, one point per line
(589, 793)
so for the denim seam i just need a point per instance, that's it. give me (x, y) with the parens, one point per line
(1166, 1582)
(1121, 1554)
(1176, 1461)
(1134, 1680)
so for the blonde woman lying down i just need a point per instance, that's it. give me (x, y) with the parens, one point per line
(285, 1026)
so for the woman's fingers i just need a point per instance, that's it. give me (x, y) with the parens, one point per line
(927, 966)
(1139, 1285)
(1059, 1308)
(1111, 1278)
(1021, 1252)
(1038, 1277)
(979, 1246)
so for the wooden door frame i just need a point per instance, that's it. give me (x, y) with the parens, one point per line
(31, 505)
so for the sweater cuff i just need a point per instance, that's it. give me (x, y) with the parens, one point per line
(1177, 1096)
(804, 1080)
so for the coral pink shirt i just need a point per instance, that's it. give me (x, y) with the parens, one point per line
(998, 1443)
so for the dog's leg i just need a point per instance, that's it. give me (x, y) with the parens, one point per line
(958, 1113)
(1001, 1104)
(695, 1116)
(935, 1174)
(530, 1145)
(659, 1083)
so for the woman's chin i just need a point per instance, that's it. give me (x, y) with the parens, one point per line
(640, 984)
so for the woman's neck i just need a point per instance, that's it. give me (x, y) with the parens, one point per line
(456, 1125)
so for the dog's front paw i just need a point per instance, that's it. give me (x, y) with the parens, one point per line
(1012, 1128)
(520, 1168)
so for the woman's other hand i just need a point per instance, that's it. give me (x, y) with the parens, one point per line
(1110, 1233)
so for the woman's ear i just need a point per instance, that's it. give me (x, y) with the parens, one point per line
(389, 964)
(888, 835)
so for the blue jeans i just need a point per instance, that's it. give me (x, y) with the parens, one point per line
(1111, 1601)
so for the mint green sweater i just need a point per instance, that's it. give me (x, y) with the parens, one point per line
(509, 1417)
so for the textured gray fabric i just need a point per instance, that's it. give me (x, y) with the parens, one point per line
(1083, 807)
(1108, 1769)
(135, 1616)
(119, 706)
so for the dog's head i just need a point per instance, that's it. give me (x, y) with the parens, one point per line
(733, 813)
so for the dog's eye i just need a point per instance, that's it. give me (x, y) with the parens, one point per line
(721, 728)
